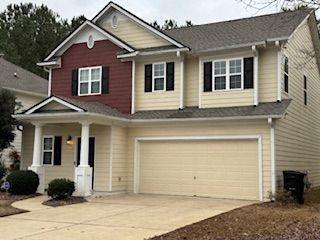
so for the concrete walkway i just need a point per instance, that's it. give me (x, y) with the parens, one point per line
(114, 217)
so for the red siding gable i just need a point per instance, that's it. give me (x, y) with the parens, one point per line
(104, 53)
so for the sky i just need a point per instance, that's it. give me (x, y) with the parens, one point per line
(199, 12)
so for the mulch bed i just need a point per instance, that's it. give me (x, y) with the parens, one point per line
(7, 199)
(266, 221)
(64, 202)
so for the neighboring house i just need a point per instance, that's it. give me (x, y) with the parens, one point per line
(28, 88)
(214, 110)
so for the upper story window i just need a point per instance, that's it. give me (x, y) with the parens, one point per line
(226, 74)
(286, 74)
(158, 77)
(305, 91)
(90, 81)
(48, 150)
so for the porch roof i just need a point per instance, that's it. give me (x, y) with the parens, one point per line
(75, 108)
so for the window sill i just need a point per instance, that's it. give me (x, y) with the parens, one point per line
(86, 95)
(229, 91)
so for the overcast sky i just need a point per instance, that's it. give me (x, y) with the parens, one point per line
(200, 11)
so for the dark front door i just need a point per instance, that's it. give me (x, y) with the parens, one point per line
(91, 154)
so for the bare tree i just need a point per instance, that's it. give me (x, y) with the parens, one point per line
(281, 4)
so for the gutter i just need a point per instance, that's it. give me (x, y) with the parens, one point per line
(138, 53)
(25, 92)
(45, 116)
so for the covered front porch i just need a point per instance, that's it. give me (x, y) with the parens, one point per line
(77, 145)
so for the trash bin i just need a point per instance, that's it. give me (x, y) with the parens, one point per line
(294, 182)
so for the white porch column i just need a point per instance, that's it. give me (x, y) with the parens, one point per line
(37, 166)
(83, 173)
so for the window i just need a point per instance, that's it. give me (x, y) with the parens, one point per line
(114, 21)
(159, 70)
(235, 67)
(305, 91)
(228, 74)
(286, 75)
(89, 81)
(47, 150)
(220, 75)
(90, 42)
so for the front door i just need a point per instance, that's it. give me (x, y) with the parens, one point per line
(91, 154)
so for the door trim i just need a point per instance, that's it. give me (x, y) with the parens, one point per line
(138, 140)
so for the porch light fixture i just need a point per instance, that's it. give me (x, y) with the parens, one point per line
(69, 141)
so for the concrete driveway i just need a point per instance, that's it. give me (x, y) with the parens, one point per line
(114, 217)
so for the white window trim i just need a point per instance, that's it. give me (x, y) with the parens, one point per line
(228, 74)
(164, 77)
(89, 81)
(43, 151)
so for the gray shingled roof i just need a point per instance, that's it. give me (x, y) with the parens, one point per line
(24, 80)
(94, 107)
(239, 32)
(263, 109)
(271, 109)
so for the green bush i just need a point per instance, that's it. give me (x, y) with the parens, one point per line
(23, 182)
(61, 188)
(3, 171)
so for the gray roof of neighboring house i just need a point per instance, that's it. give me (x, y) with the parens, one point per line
(23, 80)
(234, 33)
(263, 109)
(271, 109)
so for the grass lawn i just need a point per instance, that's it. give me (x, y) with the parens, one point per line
(266, 221)
(5, 204)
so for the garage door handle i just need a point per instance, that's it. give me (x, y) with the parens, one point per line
(194, 177)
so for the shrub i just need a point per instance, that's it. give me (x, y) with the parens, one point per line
(61, 188)
(23, 182)
(3, 171)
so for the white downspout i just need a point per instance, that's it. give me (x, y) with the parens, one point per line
(133, 72)
(182, 83)
(255, 76)
(273, 158)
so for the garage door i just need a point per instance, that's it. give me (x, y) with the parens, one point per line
(221, 169)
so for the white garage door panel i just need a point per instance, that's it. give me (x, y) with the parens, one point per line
(215, 168)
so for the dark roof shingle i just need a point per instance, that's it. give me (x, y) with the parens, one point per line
(24, 80)
(263, 109)
(270, 109)
(239, 32)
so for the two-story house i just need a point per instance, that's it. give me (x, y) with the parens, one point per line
(215, 110)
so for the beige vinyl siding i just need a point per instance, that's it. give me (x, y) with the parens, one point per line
(119, 158)
(191, 82)
(156, 100)
(218, 128)
(298, 134)
(268, 65)
(66, 170)
(206, 168)
(26, 101)
(225, 98)
(131, 32)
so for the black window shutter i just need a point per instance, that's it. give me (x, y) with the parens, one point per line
(148, 78)
(248, 73)
(105, 80)
(57, 150)
(170, 76)
(207, 71)
(74, 87)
